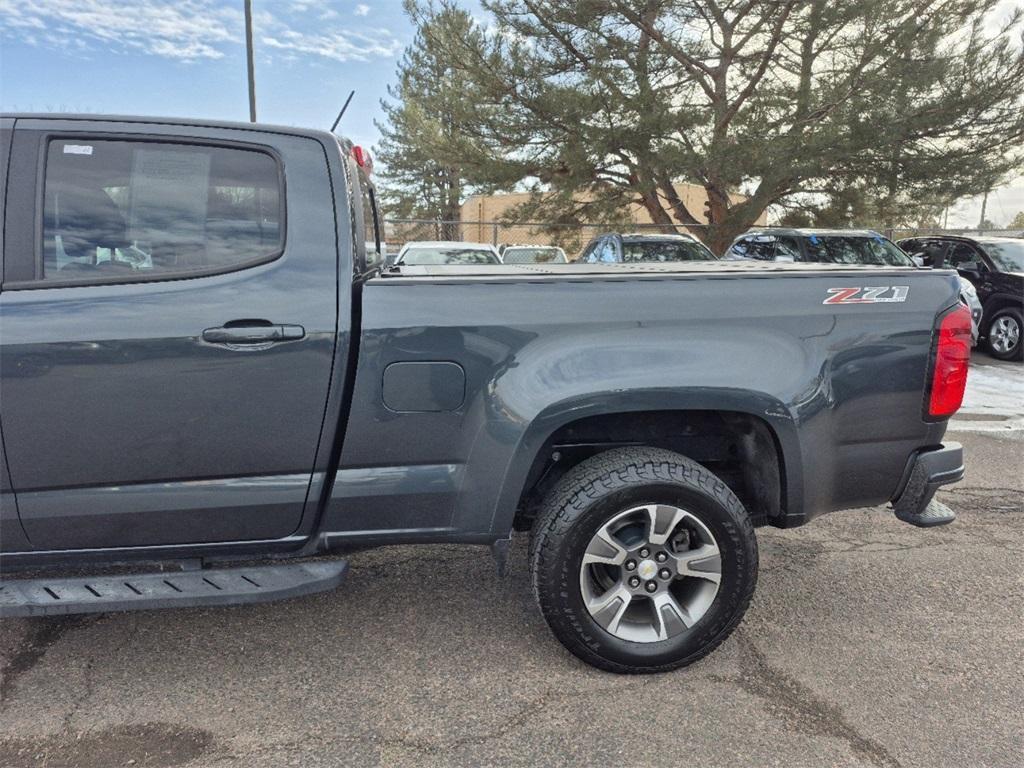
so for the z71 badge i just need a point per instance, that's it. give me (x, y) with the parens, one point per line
(885, 294)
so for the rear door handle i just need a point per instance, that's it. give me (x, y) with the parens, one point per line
(253, 334)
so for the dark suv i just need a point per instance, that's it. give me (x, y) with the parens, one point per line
(995, 265)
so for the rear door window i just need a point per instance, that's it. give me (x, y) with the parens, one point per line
(962, 254)
(761, 247)
(855, 249)
(666, 251)
(932, 252)
(135, 210)
(787, 249)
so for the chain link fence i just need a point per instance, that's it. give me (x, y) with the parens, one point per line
(900, 234)
(572, 238)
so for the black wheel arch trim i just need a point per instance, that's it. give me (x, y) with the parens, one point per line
(768, 409)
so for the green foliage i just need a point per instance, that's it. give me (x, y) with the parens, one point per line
(428, 144)
(1017, 222)
(875, 111)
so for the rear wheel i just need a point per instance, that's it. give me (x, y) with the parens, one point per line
(1005, 335)
(642, 560)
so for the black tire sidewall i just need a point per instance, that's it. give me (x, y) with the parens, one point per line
(739, 565)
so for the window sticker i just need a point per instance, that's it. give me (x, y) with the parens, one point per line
(77, 149)
(169, 194)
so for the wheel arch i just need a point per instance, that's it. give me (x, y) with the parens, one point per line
(998, 302)
(626, 419)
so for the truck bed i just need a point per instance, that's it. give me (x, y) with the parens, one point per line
(735, 268)
(484, 362)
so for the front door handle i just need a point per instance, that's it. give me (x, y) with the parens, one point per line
(255, 333)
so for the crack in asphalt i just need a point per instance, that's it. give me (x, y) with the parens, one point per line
(89, 679)
(516, 721)
(87, 689)
(43, 634)
(790, 700)
(986, 499)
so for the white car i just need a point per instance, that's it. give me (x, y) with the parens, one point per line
(440, 252)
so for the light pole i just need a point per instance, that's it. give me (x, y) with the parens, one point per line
(249, 61)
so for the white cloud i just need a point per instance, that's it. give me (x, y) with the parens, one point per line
(187, 30)
(338, 46)
(362, 10)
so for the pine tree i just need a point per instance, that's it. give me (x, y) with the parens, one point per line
(887, 107)
(427, 142)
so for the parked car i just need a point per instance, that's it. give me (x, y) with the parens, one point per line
(995, 266)
(441, 252)
(533, 254)
(821, 246)
(836, 246)
(261, 394)
(969, 296)
(636, 248)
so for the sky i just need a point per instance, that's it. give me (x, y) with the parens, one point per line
(187, 58)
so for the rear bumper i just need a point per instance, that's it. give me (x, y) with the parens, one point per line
(926, 471)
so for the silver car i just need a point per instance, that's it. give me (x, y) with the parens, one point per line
(969, 296)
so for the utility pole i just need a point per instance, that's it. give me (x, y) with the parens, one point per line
(249, 61)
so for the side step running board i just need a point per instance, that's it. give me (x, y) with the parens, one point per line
(187, 589)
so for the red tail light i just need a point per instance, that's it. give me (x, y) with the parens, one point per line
(952, 354)
(362, 158)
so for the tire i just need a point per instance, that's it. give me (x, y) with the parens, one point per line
(613, 486)
(1005, 335)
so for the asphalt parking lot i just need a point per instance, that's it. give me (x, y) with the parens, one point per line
(869, 643)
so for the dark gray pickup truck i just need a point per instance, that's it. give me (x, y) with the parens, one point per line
(209, 381)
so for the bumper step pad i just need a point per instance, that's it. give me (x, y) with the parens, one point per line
(936, 513)
(930, 470)
(175, 589)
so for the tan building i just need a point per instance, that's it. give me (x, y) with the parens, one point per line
(480, 211)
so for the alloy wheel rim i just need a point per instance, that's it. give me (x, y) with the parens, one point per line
(1005, 334)
(650, 573)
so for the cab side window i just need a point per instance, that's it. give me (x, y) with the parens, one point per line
(131, 210)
